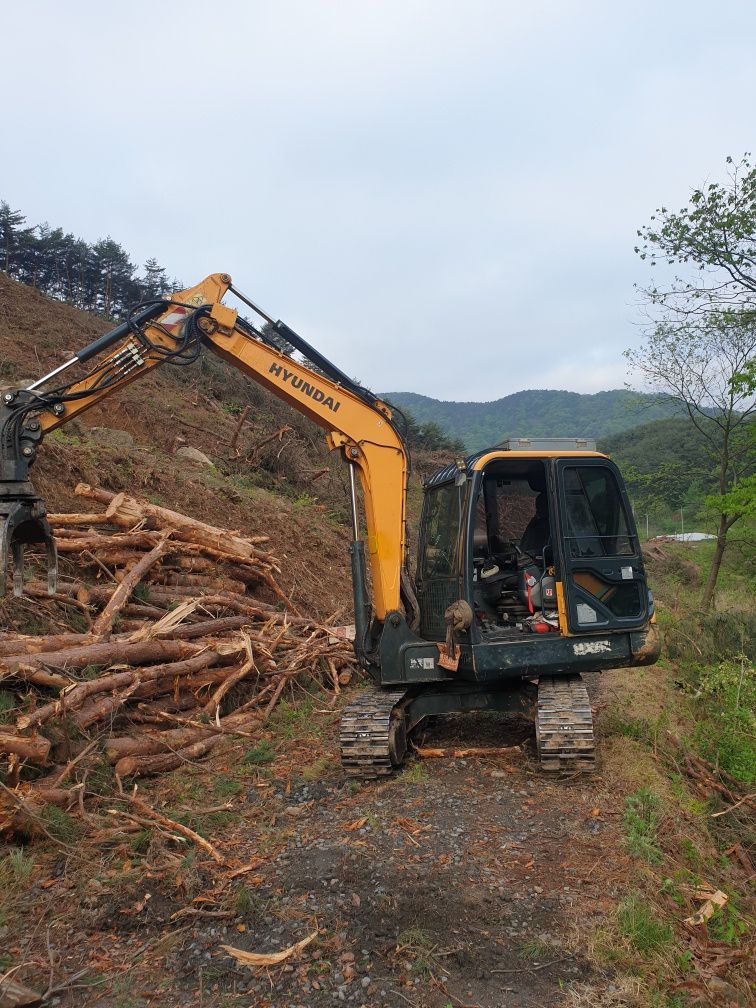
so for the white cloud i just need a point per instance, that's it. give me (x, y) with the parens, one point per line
(443, 197)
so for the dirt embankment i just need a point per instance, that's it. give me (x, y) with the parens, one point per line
(277, 479)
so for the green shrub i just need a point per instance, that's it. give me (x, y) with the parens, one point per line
(726, 697)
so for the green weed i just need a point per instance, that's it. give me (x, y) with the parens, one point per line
(419, 946)
(727, 925)
(225, 787)
(637, 922)
(536, 949)
(641, 823)
(7, 706)
(141, 841)
(726, 696)
(247, 904)
(16, 867)
(262, 753)
(415, 773)
(61, 825)
(294, 721)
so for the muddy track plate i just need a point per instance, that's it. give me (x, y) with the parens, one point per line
(564, 724)
(369, 733)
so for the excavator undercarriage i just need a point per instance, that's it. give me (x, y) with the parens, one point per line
(376, 728)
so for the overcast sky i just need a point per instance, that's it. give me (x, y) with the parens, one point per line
(443, 197)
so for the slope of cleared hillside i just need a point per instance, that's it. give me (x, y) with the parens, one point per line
(280, 480)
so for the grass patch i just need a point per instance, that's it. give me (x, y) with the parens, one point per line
(226, 787)
(294, 721)
(16, 867)
(415, 773)
(726, 698)
(641, 821)
(535, 950)
(323, 767)
(637, 922)
(61, 825)
(262, 753)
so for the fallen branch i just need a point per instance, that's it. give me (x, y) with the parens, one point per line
(104, 622)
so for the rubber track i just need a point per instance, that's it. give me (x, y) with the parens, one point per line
(365, 733)
(564, 724)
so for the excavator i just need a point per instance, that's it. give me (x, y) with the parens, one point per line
(529, 570)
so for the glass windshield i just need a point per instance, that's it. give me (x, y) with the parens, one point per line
(596, 521)
(441, 532)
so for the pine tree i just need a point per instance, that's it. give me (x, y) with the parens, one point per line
(12, 235)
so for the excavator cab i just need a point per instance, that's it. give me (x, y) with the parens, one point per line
(539, 541)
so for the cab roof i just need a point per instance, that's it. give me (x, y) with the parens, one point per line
(474, 463)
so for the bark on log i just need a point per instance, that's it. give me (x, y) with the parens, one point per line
(75, 697)
(128, 511)
(65, 519)
(106, 653)
(197, 581)
(35, 748)
(29, 673)
(209, 628)
(147, 766)
(118, 748)
(24, 645)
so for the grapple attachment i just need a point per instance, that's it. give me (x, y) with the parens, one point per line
(24, 522)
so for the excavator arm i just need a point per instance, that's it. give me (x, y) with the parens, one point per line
(177, 330)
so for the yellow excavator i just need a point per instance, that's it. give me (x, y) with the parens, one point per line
(529, 565)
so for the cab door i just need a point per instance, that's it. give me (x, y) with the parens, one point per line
(600, 562)
(439, 580)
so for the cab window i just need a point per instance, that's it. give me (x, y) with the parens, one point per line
(441, 533)
(597, 524)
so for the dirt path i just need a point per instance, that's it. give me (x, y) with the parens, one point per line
(459, 882)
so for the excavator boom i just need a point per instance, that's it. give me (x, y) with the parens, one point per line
(179, 329)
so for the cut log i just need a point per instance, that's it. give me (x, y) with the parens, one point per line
(64, 519)
(34, 748)
(106, 653)
(77, 695)
(128, 512)
(24, 645)
(148, 766)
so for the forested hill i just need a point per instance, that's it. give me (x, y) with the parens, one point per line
(666, 465)
(535, 413)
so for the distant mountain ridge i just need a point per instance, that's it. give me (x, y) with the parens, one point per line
(536, 413)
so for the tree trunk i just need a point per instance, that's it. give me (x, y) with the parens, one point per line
(711, 582)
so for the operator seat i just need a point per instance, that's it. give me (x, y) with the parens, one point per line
(538, 530)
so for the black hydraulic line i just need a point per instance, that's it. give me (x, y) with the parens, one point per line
(310, 353)
(109, 338)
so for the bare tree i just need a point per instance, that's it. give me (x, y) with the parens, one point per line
(703, 364)
(702, 347)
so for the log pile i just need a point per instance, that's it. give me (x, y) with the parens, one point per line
(185, 638)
